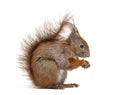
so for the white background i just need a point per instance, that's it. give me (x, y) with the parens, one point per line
(98, 22)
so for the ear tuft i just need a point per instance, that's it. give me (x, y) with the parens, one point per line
(65, 32)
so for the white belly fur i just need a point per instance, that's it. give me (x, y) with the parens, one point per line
(60, 76)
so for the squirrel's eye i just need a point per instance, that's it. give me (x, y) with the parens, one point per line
(82, 46)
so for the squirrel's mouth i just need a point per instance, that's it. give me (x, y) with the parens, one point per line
(76, 57)
(79, 58)
(84, 54)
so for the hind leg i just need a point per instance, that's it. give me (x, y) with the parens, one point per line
(45, 73)
(62, 74)
(62, 86)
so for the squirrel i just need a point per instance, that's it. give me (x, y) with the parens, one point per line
(54, 50)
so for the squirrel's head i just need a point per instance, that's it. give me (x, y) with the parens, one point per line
(77, 44)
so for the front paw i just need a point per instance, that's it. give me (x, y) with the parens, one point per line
(85, 64)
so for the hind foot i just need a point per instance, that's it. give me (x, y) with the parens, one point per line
(62, 86)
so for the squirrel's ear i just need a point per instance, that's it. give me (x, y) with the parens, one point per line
(65, 31)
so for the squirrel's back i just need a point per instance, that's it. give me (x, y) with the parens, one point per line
(53, 51)
(43, 37)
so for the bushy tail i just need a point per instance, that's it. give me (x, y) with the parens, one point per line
(48, 32)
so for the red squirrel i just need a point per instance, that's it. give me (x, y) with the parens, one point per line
(53, 52)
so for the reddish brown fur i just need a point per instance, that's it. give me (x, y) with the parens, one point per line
(43, 71)
(30, 44)
(76, 63)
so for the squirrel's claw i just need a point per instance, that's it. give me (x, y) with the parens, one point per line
(85, 64)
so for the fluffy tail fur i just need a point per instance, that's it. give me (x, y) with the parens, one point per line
(49, 32)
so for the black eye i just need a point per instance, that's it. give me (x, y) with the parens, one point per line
(82, 46)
